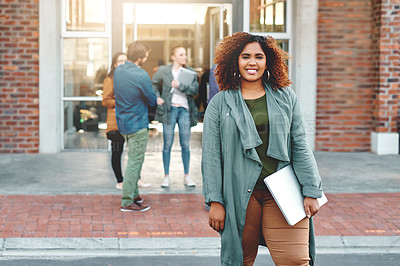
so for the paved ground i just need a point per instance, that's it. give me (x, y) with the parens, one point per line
(177, 215)
(90, 172)
(67, 204)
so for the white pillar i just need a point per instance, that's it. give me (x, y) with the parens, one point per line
(49, 77)
(305, 31)
(384, 143)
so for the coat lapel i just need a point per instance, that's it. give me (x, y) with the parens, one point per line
(279, 112)
(249, 137)
(169, 72)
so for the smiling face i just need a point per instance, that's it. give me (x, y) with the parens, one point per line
(179, 56)
(252, 63)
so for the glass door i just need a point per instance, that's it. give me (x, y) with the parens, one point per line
(198, 28)
(86, 53)
(85, 56)
(220, 26)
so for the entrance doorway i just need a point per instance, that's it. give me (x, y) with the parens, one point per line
(197, 27)
(87, 52)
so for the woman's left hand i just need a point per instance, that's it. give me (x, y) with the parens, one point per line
(311, 206)
(175, 83)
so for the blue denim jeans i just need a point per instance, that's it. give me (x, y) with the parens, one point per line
(180, 116)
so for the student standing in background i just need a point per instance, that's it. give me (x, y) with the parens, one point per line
(117, 140)
(175, 105)
(133, 97)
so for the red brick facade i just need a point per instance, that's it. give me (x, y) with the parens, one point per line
(357, 85)
(345, 76)
(386, 47)
(19, 76)
(358, 72)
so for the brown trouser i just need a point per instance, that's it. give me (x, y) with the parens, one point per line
(288, 245)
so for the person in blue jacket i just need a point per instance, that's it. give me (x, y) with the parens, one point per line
(133, 96)
(252, 128)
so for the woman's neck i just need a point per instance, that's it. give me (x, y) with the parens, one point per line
(176, 66)
(252, 90)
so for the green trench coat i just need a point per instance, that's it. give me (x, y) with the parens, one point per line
(231, 166)
(162, 88)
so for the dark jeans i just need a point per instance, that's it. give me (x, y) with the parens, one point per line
(117, 145)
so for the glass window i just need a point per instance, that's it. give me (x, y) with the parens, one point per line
(85, 15)
(268, 15)
(84, 125)
(200, 26)
(227, 21)
(284, 44)
(85, 66)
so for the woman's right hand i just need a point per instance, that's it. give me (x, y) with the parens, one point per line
(160, 101)
(216, 216)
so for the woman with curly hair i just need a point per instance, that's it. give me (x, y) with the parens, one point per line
(252, 128)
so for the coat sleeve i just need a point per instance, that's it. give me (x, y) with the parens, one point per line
(157, 81)
(211, 162)
(303, 160)
(191, 89)
(108, 93)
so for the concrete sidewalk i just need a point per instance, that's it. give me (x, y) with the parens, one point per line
(200, 246)
(67, 205)
(90, 172)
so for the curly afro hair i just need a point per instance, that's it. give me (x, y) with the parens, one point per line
(227, 57)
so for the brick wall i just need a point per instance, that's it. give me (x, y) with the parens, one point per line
(19, 76)
(386, 39)
(345, 75)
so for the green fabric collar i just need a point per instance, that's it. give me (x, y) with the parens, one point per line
(278, 147)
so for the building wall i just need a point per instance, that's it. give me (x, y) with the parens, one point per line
(345, 82)
(357, 83)
(19, 76)
(386, 62)
(358, 75)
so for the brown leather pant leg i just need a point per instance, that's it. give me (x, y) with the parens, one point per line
(288, 245)
(252, 231)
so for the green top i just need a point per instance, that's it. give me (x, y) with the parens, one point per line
(259, 112)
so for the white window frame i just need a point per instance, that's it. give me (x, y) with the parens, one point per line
(276, 35)
(288, 35)
(106, 34)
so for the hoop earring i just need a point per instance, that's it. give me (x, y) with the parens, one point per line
(268, 75)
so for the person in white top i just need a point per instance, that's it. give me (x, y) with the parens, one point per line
(175, 105)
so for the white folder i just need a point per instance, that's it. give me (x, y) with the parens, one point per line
(285, 188)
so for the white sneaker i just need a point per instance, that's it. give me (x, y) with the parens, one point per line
(165, 182)
(143, 184)
(188, 182)
(119, 186)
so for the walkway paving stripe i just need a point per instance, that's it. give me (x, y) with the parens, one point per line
(176, 215)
